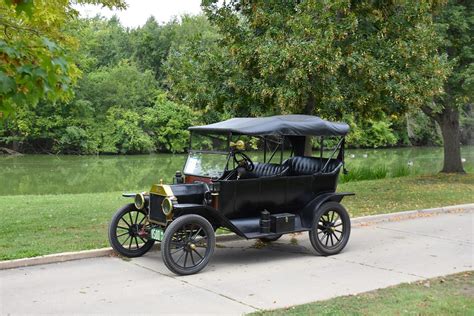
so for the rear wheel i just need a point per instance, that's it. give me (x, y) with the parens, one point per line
(331, 229)
(128, 232)
(188, 244)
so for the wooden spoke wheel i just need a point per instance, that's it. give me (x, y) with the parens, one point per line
(188, 244)
(331, 229)
(128, 232)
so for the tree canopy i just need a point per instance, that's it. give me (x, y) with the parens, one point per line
(372, 64)
(332, 57)
(35, 52)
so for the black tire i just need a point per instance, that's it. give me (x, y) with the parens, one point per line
(331, 229)
(185, 236)
(271, 238)
(124, 231)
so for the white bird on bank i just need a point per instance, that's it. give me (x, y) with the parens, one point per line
(410, 163)
(463, 159)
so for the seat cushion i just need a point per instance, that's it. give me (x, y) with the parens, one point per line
(268, 169)
(300, 165)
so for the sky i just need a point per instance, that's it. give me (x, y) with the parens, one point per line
(139, 11)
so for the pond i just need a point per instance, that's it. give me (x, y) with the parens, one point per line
(49, 174)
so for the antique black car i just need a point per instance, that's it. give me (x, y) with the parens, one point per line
(222, 187)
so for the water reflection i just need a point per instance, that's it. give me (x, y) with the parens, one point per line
(45, 174)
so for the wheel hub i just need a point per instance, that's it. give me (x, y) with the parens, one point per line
(190, 246)
(134, 230)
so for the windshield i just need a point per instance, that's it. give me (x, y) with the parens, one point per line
(205, 164)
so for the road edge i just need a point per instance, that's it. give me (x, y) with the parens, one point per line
(358, 221)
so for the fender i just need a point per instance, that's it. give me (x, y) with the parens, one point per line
(211, 214)
(307, 213)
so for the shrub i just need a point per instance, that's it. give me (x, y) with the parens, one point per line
(167, 122)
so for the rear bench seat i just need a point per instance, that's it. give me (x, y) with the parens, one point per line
(309, 165)
(296, 166)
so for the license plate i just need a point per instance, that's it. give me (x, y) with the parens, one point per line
(157, 233)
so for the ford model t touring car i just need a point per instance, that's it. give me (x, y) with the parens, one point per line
(222, 187)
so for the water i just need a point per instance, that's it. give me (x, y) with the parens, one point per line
(49, 174)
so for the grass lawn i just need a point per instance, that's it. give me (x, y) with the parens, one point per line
(35, 225)
(450, 295)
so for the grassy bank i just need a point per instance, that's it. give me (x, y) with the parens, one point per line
(450, 295)
(35, 225)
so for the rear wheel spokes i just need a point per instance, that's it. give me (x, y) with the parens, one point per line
(328, 222)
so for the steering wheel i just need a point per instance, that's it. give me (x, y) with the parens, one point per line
(244, 161)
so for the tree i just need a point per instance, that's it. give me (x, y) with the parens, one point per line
(102, 43)
(197, 69)
(35, 51)
(153, 42)
(369, 58)
(456, 24)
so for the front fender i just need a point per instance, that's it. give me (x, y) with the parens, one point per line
(307, 214)
(212, 215)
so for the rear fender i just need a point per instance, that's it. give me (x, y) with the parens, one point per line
(307, 213)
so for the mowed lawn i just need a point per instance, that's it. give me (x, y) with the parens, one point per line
(449, 295)
(35, 225)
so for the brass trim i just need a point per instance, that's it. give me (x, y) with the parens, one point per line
(155, 222)
(162, 190)
(142, 197)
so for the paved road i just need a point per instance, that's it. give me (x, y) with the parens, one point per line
(243, 278)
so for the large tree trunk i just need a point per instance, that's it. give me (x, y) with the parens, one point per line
(448, 120)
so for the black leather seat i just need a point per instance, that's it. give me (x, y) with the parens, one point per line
(269, 169)
(300, 165)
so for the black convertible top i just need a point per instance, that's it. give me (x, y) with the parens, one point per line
(282, 125)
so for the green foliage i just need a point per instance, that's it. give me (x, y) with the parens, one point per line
(422, 130)
(371, 133)
(75, 140)
(125, 132)
(330, 59)
(167, 123)
(35, 53)
(103, 43)
(360, 63)
(197, 71)
(122, 85)
(455, 22)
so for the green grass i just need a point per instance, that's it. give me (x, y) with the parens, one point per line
(450, 295)
(407, 193)
(35, 225)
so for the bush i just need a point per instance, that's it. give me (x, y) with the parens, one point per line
(125, 132)
(167, 122)
(76, 140)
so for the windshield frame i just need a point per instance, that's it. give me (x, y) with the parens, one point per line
(226, 156)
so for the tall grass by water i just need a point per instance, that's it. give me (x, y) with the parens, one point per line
(398, 162)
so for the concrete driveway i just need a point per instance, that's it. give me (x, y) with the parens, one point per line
(245, 277)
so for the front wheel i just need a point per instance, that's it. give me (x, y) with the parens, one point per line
(188, 244)
(128, 233)
(331, 229)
